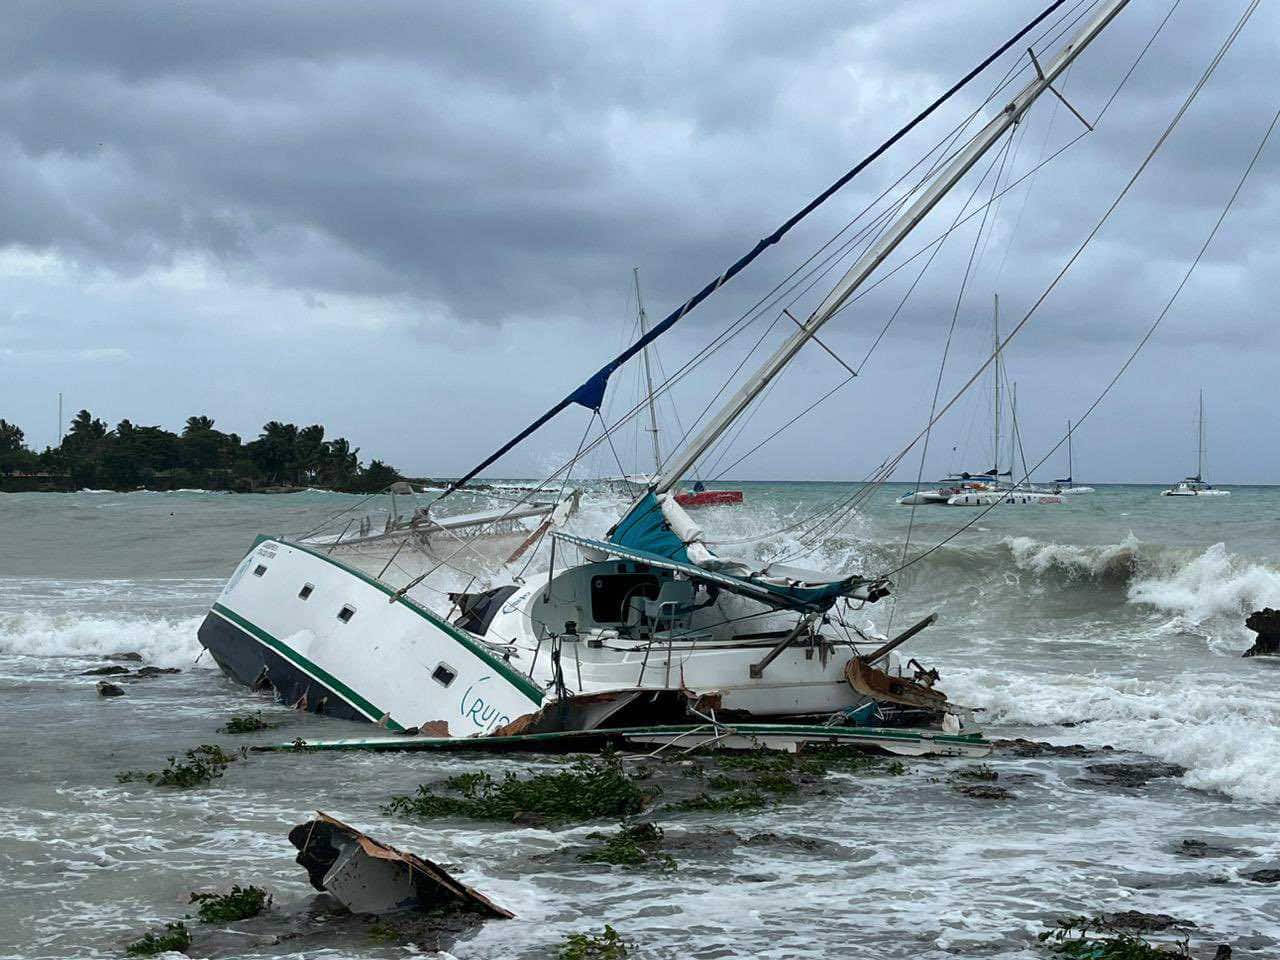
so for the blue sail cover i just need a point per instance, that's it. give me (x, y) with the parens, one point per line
(644, 528)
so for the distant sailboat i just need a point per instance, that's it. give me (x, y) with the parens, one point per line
(1067, 485)
(1195, 486)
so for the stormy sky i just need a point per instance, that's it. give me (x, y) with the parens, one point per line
(416, 224)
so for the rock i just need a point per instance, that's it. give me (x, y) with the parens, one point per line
(1222, 953)
(983, 791)
(529, 819)
(128, 655)
(1136, 774)
(109, 689)
(1036, 748)
(1263, 876)
(1200, 850)
(111, 671)
(1145, 922)
(1266, 624)
(145, 672)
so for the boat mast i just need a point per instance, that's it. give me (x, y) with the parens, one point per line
(995, 339)
(1200, 437)
(648, 380)
(1071, 474)
(864, 266)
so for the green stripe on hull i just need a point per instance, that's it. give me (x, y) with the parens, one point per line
(302, 663)
(504, 669)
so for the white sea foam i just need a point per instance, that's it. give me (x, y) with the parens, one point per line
(1221, 728)
(164, 641)
(1214, 584)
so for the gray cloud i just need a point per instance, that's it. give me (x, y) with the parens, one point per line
(416, 179)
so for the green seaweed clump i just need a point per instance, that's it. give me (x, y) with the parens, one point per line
(240, 904)
(249, 723)
(1081, 938)
(588, 790)
(634, 845)
(583, 946)
(174, 936)
(978, 771)
(202, 765)
(733, 801)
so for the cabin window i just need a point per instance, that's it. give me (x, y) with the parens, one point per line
(346, 613)
(612, 593)
(306, 591)
(259, 570)
(443, 674)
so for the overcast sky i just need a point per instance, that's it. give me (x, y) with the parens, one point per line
(416, 223)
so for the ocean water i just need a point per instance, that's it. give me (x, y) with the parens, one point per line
(1113, 620)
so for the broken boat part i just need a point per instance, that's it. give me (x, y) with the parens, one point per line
(906, 742)
(368, 876)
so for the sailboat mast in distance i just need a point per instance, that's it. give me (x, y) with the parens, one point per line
(648, 379)
(995, 340)
(1200, 440)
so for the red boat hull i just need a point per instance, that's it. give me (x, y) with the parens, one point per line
(709, 498)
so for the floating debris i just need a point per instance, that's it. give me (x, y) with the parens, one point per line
(583, 946)
(249, 723)
(240, 904)
(174, 936)
(367, 876)
(203, 765)
(589, 790)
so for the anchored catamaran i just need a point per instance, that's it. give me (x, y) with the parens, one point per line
(647, 618)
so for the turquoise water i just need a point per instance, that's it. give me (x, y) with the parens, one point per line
(1114, 619)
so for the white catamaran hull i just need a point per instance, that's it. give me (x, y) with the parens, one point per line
(1019, 497)
(354, 649)
(391, 661)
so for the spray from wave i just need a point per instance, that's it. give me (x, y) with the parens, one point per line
(1214, 584)
(163, 641)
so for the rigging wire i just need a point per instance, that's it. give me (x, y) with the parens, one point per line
(1191, 97)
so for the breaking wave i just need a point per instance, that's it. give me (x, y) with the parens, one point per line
(1222, 729)
(1108, 563)
(163, 641)
(1216, 583)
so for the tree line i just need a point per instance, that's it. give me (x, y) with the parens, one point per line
(130, 456)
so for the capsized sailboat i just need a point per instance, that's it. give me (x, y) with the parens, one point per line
(647, 616)
(1196, 486)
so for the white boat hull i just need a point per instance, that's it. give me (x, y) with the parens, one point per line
(1014, 497)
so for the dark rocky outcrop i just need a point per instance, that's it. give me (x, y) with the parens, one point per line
(1145, 922)
(1266, 624)
(983, 791)
(1135, 774)
(111, 671)
(109, 689)
(1264, 876)
(1037, 748)
(131, 656)
(145, 672)
(1208, 849)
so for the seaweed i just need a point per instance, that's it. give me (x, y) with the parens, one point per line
(249, 723)
(202, 765)
(1085, 938)
(240, 904)
(634, 845)
(978, 771)
(588, 790)
(174, 936)
(731, 801)
(608, 945)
